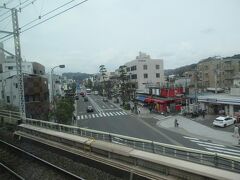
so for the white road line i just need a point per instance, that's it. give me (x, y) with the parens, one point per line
(96, 115)
(104, 114)
(93, 116)
(202, 142)
(117, 113)
(78, 117)
(121, 113)
(82, 117)
(190, 138)
(226, 149)
(216, 150)
(86, 117)
(124, 113)
(100, 115)
(111, 114)
(107, 114)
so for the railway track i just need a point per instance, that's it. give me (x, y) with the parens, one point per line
(20, 164)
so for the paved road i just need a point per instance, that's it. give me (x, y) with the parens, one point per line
(110, 118)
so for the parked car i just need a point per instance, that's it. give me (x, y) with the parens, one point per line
(89, 109)
(222, 121)
(76, 97)
(86, 99)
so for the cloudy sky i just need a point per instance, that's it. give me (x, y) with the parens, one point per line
(112, 32)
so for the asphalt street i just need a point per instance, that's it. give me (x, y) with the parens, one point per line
(110, 118)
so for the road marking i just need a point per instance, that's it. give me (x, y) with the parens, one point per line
(104, 114)
(86, 117)
(124, 113)
(100, 115)
(93, 116)
(82, 117)
(190, 138)
(208, 143)
(110, 113)
(89, 116)
(121, 113)
(107, 114)
(226, 149)
(96, 115)
(117, 113)
(221, 151)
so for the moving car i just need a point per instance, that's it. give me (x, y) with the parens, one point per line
(89, 109)
(76, 97)
(105, 100)
(85, 98)
(222, 121)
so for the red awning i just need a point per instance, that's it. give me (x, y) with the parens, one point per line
(148, 100)
(160, 101)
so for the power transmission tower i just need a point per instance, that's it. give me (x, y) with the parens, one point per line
(18, 62)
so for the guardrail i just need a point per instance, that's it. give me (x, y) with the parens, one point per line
(10, 117)
(218, 160)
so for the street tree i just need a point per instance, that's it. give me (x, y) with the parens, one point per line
(103, 70)
(124, 85)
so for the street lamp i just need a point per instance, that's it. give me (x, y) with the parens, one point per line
(60, 66)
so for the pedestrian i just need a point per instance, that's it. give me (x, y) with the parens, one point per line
(203, 114)
(176, 123)
(236, 132)
(138, 110)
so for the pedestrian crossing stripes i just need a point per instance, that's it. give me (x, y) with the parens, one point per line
(218, 148)
(103, 114)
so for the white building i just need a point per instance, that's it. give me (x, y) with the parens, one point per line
(145, 72)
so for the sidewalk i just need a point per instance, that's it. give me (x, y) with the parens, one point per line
(189, 127)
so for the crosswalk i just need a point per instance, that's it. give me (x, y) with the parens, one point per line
(213, 147)
(99, 115)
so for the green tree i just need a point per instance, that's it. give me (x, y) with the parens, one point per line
(124, 85)
(103, 71)
(89, 84)
(64, 111)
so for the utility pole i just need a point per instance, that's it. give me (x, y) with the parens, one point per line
(18, 63)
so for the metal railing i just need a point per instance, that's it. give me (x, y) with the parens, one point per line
(218, 160)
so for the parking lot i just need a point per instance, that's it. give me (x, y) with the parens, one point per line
(208, 121)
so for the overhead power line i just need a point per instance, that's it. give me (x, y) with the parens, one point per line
(47, 14)
(20, 4)
(54, 15)
(61, 12)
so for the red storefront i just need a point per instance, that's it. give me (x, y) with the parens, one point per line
(170, 99)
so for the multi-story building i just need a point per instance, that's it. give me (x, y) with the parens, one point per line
(35, 86)
(145, 72)
(217, 72)
(35, 92)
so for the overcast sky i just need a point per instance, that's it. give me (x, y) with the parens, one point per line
(112, 32)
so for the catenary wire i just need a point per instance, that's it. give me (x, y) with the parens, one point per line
(10, 35)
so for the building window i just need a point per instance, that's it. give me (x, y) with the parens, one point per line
(157, 66)
(157, 75)
(145, 76)
(128, 69)
(16, 85)
(10, 67)
(133, 68)
(8, 99)
(134, 76)
(145, 67)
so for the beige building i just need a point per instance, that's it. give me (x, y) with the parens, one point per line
(217, 72)
(145, 72)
